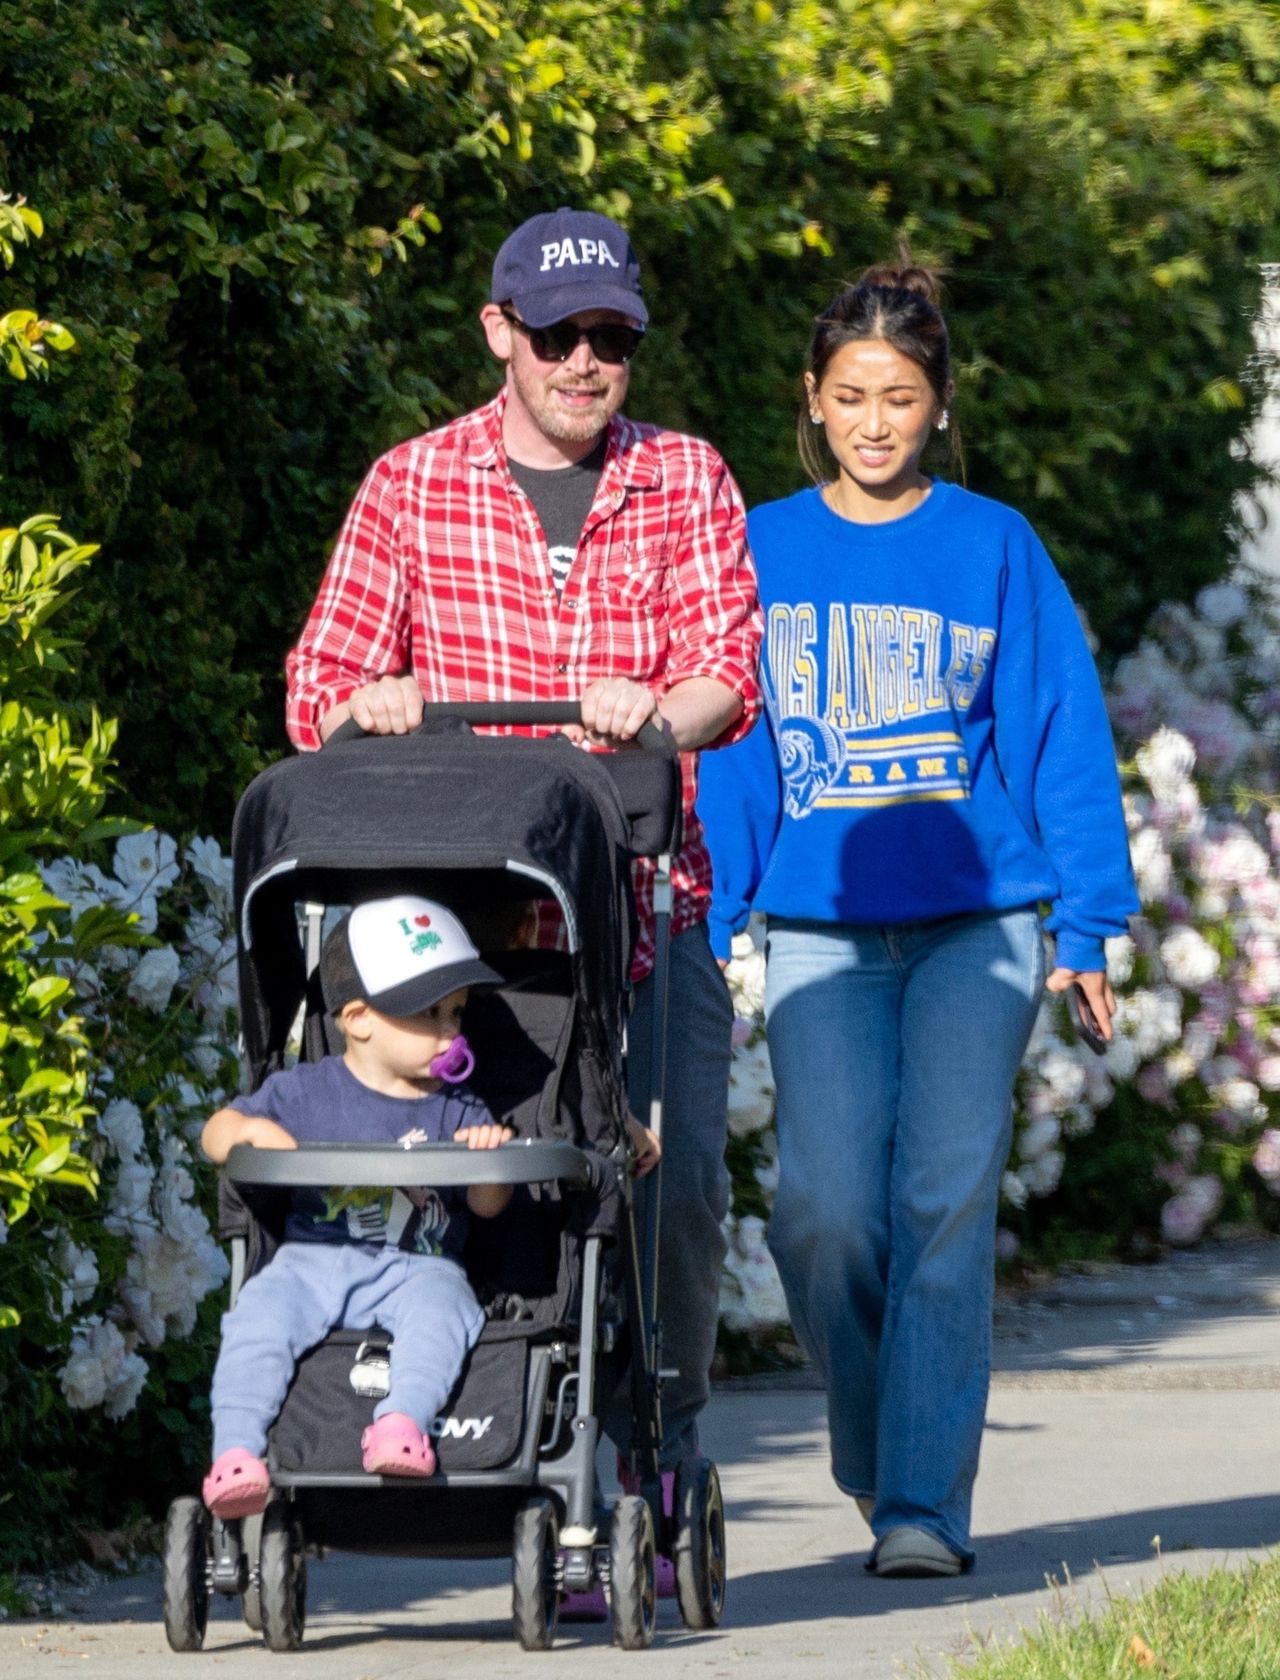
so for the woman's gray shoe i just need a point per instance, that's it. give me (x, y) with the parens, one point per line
(914, 1551)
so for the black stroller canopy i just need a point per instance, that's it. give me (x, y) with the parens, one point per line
(455, 816)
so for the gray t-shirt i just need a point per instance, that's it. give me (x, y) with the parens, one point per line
(562, 498)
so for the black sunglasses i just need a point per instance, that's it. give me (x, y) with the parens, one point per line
(610, 342)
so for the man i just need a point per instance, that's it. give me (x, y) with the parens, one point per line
(544, 547)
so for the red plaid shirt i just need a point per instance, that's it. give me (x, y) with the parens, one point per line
(441, 569)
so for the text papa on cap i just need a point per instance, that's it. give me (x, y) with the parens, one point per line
(565, 261)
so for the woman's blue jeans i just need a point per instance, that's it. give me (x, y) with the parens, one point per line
(894, 1053)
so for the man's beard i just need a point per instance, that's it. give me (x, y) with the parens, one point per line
(564, 425)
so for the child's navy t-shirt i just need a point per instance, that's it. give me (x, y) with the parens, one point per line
(324, 1102)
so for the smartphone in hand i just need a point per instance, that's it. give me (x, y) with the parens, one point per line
(1084, 1020)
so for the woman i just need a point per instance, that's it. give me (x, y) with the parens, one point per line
(936, 764)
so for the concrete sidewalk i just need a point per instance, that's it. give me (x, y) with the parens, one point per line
(1133, 1429)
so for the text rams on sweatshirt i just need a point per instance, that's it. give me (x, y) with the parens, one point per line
(935, 741)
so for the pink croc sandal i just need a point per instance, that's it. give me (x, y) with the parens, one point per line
(237, 1486)
(394, 1446)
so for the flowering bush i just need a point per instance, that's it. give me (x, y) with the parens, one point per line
(109, 1292)
(1176, 1127)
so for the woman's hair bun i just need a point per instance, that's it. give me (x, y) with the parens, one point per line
(904, 277)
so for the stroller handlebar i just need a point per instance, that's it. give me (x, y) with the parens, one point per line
(548, 712)
(389, 1167)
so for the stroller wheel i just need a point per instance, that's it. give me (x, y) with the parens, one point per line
(535, 1592)
(699, 1550)
(251, 1603)
(282, 1577)
(632, 1590)
(186, 1574)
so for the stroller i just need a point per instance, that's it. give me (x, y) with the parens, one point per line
(566, 1277)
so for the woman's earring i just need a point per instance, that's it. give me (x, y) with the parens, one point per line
(944, 420)
(815, 419)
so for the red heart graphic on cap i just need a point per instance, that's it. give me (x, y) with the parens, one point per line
(422, 921)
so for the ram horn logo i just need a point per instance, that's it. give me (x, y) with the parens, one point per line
(813, 755)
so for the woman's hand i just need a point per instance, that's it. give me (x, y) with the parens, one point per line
(1097, 994)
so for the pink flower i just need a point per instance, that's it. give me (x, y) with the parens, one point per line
(1266, 1159)
(1007, 1245)
(1267, 1073)
(1153, 1084)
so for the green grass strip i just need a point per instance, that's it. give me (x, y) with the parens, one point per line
(1224, 1625)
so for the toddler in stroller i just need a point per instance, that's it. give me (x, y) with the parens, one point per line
(563, 1276)
(395, 975)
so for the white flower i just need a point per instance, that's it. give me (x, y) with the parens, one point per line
(1238, 1096)
(1120, 954)
(1151, 1018)
(1078, 1122)
(1043, 1175)
(1152, 866)
(1039, 1136)
(206, 859)
(1013, 1190)
(1166, 762)
(1121, 1058)
(207, 1057)
(1188, 957)
(154, 978)
(82, 886)
(102, 1370)
(750, 1089)
(1063, 1071)
(121, 1124)
(1223, 604)
(179, 1216)
(1200, 1040)
(745, 978)
(122, 1394)
(79, 1269)
(752, 1294)
(146, 862)
(130, 1197)
(1179, 1066)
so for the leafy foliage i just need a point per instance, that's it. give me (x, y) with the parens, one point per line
(52, 787)
(234, 187)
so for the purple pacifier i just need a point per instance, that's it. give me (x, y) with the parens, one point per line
(454, 1064)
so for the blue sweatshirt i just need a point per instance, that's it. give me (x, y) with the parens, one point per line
(934, 739)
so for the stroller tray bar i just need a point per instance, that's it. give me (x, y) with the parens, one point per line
(359, 1165)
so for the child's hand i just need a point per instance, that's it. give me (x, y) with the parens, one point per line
(648, 1151)
(488, 1136)
(266, 1134)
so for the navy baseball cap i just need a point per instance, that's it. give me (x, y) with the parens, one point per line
(566, 260)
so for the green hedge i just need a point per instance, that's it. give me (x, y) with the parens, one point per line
(223, 180)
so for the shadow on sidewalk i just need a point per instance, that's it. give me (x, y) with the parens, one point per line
(1020, 1561)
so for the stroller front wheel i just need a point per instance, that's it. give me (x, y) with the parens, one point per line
(632, 1589)
(282, 1577)
(535, 1591)
(186, 1574)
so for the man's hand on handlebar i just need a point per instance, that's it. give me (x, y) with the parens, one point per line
(386, 706)
(614, 710)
